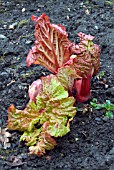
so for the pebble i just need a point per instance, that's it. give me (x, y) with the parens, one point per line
(3, 36)
(23, 10)
(98, 119)
(28, 42)
(106, 86)
(3, 76)
(87, 12)
(81, 4)
(67, 17)
(68, 9)
(96, 27)
(12, 26)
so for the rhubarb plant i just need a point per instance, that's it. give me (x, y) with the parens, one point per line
(53, 50)
(47, 115)
(51, 106)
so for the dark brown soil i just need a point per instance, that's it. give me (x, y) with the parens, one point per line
(90, 143)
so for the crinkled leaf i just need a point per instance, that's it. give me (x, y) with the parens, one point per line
(66, 76)
(58, 106)
(51, 47)
(31, 138)
(53, 89)
(58, 130)
(24, 119)
(46, 142)
(87, 56)
(48, 116)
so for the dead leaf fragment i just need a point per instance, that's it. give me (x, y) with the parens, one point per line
(4, 138)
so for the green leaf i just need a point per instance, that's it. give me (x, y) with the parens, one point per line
(31, 137)
(109, 114)
(53, 89)
(46, 142)
(23, 120)
(58, 130)
(108, 106)
(66, 76)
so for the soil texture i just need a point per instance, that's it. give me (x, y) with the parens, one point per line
(90, 143)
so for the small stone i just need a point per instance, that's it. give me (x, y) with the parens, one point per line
(23, 10)
(38, 10)
(69, 9)
(5, 26)
(67, 17)
(96, 27)
(81, 4)
(28, 42)
(87, 12)
(98, 119)
(76, 139)
(106, 86)
(3, 36)
(12, 26)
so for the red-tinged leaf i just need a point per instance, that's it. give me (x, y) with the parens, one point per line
(95, 53)
(82, 64)
(66, 76)
(23, 119)
(87, 56)
(34, 89)
(86, 62)
(52, 47)
(46, 142)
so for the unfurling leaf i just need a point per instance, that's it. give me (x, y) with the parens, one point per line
(34, 89)
(86, 62)
(86, 56)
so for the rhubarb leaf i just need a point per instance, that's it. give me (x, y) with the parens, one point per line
(87, 56)
(23, 120)
(85, 61)
(46, 142)
(52, 47)
(31, 138)
(66, 76)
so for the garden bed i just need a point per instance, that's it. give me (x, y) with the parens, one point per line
(90, 143)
